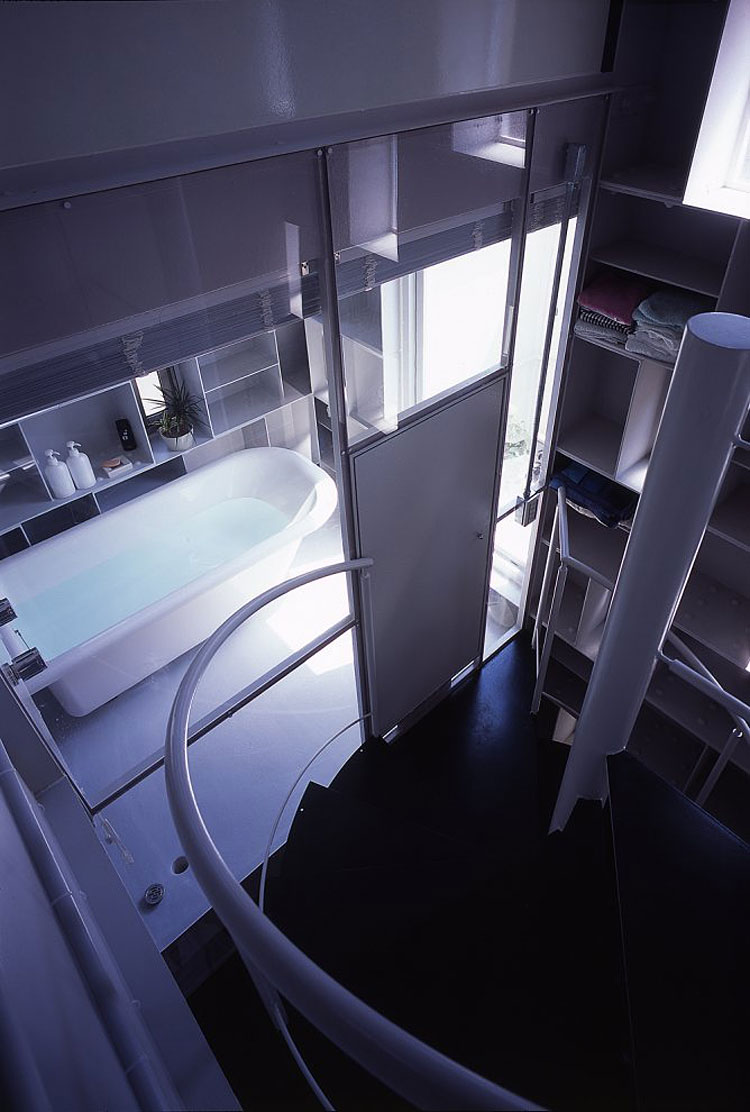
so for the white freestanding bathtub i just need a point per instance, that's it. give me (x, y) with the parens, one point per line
(110, 601)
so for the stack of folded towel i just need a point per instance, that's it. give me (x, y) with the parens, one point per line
(607, 306)
(660, 321)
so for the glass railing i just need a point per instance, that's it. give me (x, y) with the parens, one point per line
(280, 969)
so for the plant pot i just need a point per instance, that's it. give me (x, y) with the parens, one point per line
(178, 443)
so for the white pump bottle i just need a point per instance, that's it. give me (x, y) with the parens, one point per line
(59, 478)
(80, 467)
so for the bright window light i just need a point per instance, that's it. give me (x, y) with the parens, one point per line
(720, 173)
(463, 312)
(149, 391)
(739, 174)
(309, 611)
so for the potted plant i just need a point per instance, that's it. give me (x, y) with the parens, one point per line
(181, 416)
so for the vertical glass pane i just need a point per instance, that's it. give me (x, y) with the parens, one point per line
(423, 226)
(507, 580)
(536, 291)
(122, 560)
(546, 420)
(243, 771)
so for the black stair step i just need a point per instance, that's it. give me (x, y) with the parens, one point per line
(684, 886)
(513, 971)
(353, 877)
(350, 833)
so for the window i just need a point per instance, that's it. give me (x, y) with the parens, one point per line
(719, 177)
(149, 389)
(412, 339)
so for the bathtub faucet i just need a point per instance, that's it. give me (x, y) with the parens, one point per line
(24, 662)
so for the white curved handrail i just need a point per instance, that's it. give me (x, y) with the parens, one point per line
(412, 1069)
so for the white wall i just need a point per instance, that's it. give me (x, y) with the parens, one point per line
(42, 987)
(89, 77)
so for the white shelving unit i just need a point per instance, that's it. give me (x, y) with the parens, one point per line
(236, 386)
(612, 399)
(610, 410)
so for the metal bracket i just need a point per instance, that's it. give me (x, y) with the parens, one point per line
(370, 267)
(7, 613)
(304, 269)
(575, 161)
(527, 509)
(26, 665)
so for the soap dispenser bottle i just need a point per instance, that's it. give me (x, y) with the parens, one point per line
(80, 467)
(59, 478)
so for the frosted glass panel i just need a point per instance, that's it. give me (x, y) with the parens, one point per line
(463, 303)
(425, 224)
(117, 583)
(409, 341)
(509, 559)
(536, 291)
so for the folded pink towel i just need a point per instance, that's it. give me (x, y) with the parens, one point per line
(615, 295)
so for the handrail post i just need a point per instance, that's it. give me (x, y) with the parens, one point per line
(705, 407)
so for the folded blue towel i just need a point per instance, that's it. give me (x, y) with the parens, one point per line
(592, 494)
(670, 308)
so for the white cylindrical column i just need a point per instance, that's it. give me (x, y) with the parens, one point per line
(704, 412)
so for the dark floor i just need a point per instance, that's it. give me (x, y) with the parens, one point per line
(424, 880)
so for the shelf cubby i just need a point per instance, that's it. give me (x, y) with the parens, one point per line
(618, 348)
(664, 63)
(148, 479)
(646, 404)
(24, 496)
(12, 542)
(642, 237)
(90, 421)
(729, 675)
(60, 518)
(360, 318)
(595, 406)
(590, 542)
(293, 357)
(230, 364)
(14, 451)
(715, 606)
(650, 180)
(162, 453)
(241, 402)
(731, 517)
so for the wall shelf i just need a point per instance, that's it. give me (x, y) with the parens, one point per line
(663, 265)
(25, 496)
(151, 478)
(731, 518)
(162, 453)
(594, 442)
(14, 451)
(663, 69)
(237, 361)
(595, 546)
(229, 404)
(238, 405)
(650, 180)
(619, 349)
(716, 616)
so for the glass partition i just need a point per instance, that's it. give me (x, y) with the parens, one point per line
(169, 330)
(423, 226)
(566, 141)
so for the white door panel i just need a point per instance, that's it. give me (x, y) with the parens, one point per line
(424, 499)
